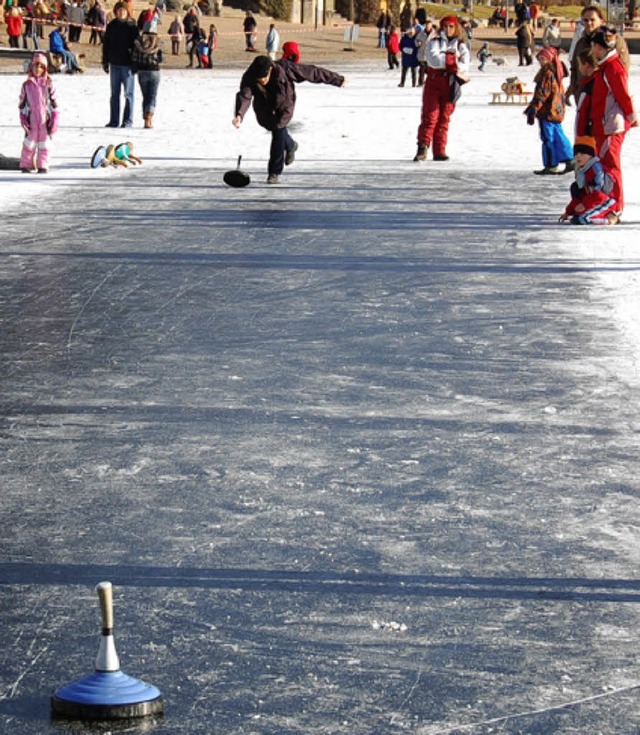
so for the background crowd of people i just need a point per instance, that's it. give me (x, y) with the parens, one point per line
(434, 54)
(593, 72)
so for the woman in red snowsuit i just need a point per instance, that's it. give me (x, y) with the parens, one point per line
(447, 58)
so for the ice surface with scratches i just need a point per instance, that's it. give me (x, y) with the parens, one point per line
(359, 452)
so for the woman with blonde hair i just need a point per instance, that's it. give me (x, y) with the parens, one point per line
(447, 66)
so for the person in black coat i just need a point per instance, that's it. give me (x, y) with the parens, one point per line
(271, 87)
(249, 26)
(117, 47)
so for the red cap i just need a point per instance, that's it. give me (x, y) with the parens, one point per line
(291, 50)
(447, 20)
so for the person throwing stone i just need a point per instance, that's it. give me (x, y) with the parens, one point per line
(271, 87)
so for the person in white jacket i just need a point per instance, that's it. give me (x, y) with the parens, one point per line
(422, 39)
(272, 42)
(552, 35)
(447, 68)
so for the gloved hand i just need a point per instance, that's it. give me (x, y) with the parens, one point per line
(105, 66)
(52, 123)
(531, 115)
(24, 121)
(450, 63)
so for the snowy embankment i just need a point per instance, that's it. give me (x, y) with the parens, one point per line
(369, 125)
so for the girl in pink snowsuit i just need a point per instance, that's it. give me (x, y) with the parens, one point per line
(38, 116)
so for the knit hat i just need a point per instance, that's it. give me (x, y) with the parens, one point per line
(547, 55)
(585, 144)
(260, 67)
(291, 50)
(448, 19)
(605, 37)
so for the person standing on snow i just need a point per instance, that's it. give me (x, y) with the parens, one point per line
(483, 56)
(271, 87)
(422, 39)
(146, 58)
(272, 42)
(552, 35)
(548, 107)
(409, 54)
(117, 47)
(447, 61)
(612, 109)
(393, 48)
(249, 27)
(38, 116)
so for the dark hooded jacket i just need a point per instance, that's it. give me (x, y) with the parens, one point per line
(275, 103)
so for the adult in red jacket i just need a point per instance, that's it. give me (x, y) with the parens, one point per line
(447, 59)
(612, 110)
(271, 87)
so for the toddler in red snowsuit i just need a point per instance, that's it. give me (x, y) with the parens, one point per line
(38, 116)
(592, 202)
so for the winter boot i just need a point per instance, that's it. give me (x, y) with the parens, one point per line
(548, 171)
(569, 166)
(613, 218)
(290, 156)
(421, 155)
(148, 120)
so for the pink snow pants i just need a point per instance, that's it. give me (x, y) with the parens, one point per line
(35, 152)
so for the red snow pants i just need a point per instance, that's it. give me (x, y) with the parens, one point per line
(436, 112)
(609, 149)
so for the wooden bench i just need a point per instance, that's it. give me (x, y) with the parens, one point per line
(6, 52)
(24, 55)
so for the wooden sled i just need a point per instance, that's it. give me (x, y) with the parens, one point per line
(512, 92)
(518, 98)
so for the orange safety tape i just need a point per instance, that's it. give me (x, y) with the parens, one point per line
(297, 31)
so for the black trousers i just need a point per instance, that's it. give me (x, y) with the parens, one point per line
(281, 143)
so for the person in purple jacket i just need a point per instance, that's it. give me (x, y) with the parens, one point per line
(271, 87)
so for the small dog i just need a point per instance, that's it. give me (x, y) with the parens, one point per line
(499, 60)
